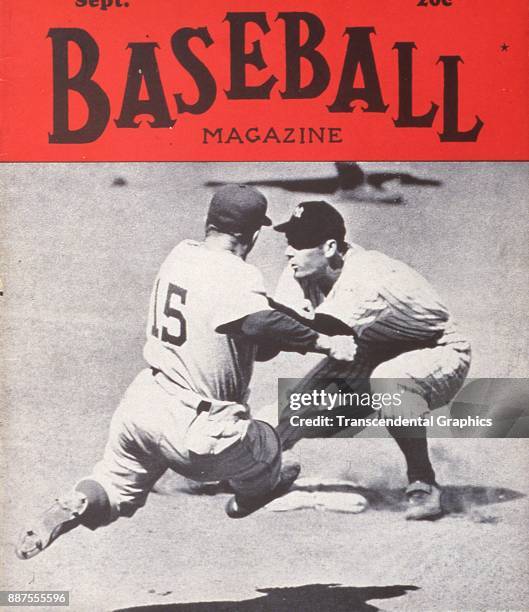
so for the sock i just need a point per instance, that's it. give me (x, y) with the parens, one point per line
(413, 443)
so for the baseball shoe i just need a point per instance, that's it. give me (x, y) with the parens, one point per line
(62, 516)
(424, 501)
(194, 487)
(239, 506)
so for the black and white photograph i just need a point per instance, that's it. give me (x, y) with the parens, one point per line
(154, 316)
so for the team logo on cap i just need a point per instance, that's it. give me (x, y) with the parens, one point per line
(298, 211)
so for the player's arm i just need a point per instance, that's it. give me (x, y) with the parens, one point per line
(321, 323)
(271, 327)
(266, 352)
(277, 331)
(245, 310)
(290, 298)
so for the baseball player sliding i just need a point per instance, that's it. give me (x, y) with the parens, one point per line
(187, 410)
(407, 341)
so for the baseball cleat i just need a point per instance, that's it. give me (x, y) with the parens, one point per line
(424, 501)
(62, 516)
(239, 507)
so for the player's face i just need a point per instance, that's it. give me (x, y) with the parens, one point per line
(307, 263)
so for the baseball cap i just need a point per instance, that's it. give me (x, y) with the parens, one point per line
(311, 224)
(237, 208)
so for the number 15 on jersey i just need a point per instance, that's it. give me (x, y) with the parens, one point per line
(169, 325)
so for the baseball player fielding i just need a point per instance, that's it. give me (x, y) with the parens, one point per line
(407, 341)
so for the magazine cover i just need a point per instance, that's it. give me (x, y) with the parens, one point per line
(263, 285)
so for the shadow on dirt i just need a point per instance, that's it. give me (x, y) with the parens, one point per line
(309, 598)
(456, 499)
(351, 183)
(331, 184)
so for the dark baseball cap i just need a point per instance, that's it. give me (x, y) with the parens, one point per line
(237, 208)
(311, 224)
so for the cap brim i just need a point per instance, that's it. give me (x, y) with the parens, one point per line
(266, 221)
(282, 227)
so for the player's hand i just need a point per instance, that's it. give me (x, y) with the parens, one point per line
(307, 311)
(341, 348)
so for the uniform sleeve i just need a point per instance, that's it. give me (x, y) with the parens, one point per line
(238, 295)
(357, 304)
(290, 293)
(276, 327)
(389, 298)
(355, 298)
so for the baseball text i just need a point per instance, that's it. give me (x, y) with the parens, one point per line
(144, 76)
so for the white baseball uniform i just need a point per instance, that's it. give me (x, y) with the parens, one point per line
(188, 410)
(404, 330)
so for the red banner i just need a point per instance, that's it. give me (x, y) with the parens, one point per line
(291, 81)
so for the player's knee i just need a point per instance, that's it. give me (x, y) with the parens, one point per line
(265, 449)
(385, 378)
(409, 397)
(266, 442)
(98, 511)
(387, 369)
